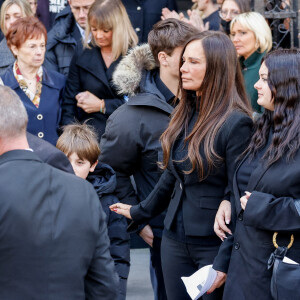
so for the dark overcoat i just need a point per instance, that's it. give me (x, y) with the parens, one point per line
(53, 236)
(143, 14)
(134, 129)
(104, 180)
(44, 120)
(62, 41)
(49, 154)
(274, 205)
(87, 73)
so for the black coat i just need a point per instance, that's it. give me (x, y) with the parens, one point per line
(131, 144)
(104, 181)
(49, 154)
(61, 42)
(143, 14)
(200, 200)
(53, 237)
(274, 205)
(87, 73)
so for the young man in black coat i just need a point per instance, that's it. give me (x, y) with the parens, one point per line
(68, 32)
(53, 230)
(131, 140)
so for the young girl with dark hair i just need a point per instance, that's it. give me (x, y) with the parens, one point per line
(209, 129)
(267, 182)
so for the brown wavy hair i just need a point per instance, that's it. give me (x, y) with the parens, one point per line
(284, 82)
(222, 92)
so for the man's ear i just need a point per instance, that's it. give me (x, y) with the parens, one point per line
(69, 1)
(93, 166)
(162, 58)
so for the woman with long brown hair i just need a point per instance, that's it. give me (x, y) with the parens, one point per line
(209, 129)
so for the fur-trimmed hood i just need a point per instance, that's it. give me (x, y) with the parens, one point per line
(129, 73)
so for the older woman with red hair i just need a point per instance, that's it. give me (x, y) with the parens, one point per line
(40, 90)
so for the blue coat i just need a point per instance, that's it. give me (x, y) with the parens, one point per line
(43, 121)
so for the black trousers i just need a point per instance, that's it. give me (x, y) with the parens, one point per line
(180, 259)
(156, 274)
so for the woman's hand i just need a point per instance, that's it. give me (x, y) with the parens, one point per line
(121, 209)
(147, 235)
(166, 14)
(222, 218)
(219, 281)
(89, 102)
(244, 200)
(197, 21)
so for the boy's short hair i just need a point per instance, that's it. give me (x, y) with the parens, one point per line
(169, 34)
(80, 139)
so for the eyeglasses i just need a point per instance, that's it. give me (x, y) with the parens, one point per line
(228, 13)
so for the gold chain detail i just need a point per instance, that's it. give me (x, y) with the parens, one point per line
(276, 245)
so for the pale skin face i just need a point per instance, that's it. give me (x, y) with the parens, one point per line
(32, 53)
(202, 4)
(33, 5)
(81, 167)
(193, 68)
(80, 9)
(102, 37)
(171, 62)
(229, 10)
(265, 98)
(12, 14)
(244, 40)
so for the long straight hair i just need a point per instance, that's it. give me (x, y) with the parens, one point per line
(222, 92)
(284, 82)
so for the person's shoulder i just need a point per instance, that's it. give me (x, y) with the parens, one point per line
(8, 77)
(56, 79)
(237, 119)
(72, 183)
(61, 29)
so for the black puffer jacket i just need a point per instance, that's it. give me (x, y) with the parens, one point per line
(104, 181)
(62, 41)
(130, 143)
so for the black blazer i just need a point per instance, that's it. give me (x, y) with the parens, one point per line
(53, 235)
(200, 200)
(274, 205)
(87, 73)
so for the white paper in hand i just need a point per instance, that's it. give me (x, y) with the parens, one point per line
(200, 282)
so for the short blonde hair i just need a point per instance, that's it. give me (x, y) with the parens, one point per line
(112, 15)
(24, 6)
(257, 24)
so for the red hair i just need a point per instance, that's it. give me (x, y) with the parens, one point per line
(23, 29)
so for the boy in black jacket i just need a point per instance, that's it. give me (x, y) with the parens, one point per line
(80, 145)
